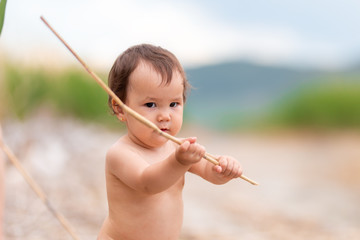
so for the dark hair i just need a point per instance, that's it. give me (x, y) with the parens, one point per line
(163, 61)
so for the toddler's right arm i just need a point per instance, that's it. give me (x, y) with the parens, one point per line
(138, 174)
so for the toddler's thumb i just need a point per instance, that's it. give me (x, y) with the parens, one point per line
(217, 168)
(189, 139)
(184, 146)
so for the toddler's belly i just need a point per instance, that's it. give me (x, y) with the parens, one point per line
(154, 219)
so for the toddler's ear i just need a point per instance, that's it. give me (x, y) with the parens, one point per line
(118, 110)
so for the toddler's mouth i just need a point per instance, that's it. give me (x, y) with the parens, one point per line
(164, 129)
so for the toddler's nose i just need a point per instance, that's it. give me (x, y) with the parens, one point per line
(163, 116)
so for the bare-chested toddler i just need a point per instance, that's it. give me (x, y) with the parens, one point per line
(145, 171)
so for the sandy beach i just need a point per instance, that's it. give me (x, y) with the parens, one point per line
(309, 183)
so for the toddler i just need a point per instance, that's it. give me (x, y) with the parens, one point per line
(145, 171)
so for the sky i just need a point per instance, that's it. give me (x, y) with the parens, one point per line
(307, 33)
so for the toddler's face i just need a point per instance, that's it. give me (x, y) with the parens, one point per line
(161, 104)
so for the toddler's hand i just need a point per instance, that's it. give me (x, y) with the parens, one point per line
(189, 152)
(228, 167)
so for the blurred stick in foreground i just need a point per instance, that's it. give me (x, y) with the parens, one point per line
(125, 108)
(39, 192)
(2, 188)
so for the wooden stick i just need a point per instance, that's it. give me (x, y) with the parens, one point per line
(36, 188)
(125, 108)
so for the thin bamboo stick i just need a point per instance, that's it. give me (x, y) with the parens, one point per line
(125, 108)
(37, 189)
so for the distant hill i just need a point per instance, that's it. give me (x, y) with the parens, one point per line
(239, 88)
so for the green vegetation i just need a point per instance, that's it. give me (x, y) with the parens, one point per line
(328, 104)
(323, 103)
(2, 13)
(71, 92)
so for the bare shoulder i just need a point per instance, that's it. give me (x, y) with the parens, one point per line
(125, 162)
(116, 149)
(120, 151)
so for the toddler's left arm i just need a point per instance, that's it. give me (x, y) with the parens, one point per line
(227, 169)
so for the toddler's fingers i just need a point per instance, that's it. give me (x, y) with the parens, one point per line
(223, 163)
(236, 172)
(240, 171)
(202, 150)
(184, 146)
(197, 150)
(217, 168)
(229, 168)
(190, 139)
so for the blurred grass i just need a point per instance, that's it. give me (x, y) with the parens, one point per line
(69, 93)
(331, 103)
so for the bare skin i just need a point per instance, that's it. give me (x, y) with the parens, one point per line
(145, 172)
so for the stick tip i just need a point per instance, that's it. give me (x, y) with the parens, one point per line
(249, 180)
(42, 18)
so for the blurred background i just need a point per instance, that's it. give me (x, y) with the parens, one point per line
(276, 84)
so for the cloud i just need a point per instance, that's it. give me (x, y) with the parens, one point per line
(101, 31)
(195, 37)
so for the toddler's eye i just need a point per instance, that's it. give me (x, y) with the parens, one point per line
(173, 104)
(150, 104)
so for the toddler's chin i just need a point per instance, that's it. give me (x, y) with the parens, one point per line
(158, 141)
